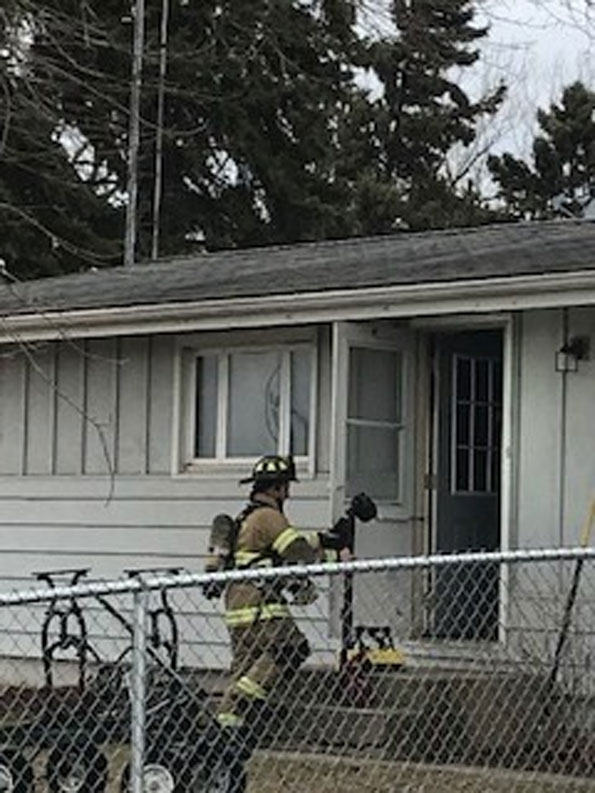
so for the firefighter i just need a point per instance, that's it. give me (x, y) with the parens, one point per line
(267, 646)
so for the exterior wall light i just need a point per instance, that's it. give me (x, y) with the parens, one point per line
(576, 349)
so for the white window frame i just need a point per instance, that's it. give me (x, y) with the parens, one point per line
(184, 459)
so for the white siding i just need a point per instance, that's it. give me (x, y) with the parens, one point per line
(579, 468)
(40, 412)
(556, 482)
(149, 522)
(556, 471)
(13, 377)
(540, 392)
(159, 404)
(86, 482)
(133, 391)
(86, 408)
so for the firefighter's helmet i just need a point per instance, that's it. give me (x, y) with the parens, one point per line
(272, 469)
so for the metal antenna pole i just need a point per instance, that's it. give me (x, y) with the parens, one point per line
(134, 132)
(157, 189)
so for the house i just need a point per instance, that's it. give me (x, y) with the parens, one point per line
(448, 374)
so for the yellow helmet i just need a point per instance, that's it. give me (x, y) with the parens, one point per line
(272, 468)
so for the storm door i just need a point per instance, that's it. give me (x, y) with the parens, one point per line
(467, 476)
(369, 413)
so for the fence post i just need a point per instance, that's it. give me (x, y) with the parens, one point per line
(138, 689)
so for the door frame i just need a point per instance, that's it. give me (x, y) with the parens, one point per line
(508, 324)
(382, 335)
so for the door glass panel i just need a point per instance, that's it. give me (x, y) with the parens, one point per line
(373, 461)
(482, 378)
(254, 397)
(480, 429)
(476, 414)
(462, 469)
(463, 426)
(463, 380)
(480, 471)
(374, 384)
(373, 422)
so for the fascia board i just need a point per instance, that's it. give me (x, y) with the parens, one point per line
(405, 301)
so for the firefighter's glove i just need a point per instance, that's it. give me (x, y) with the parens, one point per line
(339, 537)
(363, 507)
(303, 592)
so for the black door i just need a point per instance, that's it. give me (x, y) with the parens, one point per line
(468, 481)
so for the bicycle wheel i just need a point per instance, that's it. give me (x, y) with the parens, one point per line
(171, 772)
(74, 768)
(16, 774)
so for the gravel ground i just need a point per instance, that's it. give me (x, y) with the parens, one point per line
(292, 773)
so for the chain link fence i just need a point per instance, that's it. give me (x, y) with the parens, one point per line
(488, 684)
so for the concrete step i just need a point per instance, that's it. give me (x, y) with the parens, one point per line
(448, 736)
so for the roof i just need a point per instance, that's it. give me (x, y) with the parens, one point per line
(502, 251)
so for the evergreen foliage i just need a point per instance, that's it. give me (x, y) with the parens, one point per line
(560, 179)
(268, 137)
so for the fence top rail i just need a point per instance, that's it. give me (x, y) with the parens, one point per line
(144, 582)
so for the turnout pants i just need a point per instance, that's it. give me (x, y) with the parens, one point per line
(267, 650)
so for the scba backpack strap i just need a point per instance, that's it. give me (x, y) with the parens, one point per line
(223, 540)
(246, 558)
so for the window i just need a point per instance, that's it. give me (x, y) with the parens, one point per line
(374, 423)
(253, 401)
(477, 419)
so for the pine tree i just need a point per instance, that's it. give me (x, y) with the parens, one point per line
(52, 214)
(423, 113)
(268, 134)
(560, 179)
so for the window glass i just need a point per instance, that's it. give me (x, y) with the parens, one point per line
(254, 397)
(261, 400)
(206, 406)
(373, 422)
(300, 401)
(374, 388)
(373, 461)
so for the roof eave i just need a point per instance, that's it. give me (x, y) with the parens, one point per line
(470, 296)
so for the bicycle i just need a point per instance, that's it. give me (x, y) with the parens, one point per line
(77, 725)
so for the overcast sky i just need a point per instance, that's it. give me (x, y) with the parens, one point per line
(537, 47)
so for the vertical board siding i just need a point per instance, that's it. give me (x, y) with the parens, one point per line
(160, 405)
(12, 394)
(53, 469)
(540, 419)
(161, 524)
(133, 406)
(100, 406)
(579, 485)
(40, 412)
(69, 399)
(101, 367)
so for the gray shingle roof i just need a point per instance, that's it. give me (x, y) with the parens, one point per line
(412, 258)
